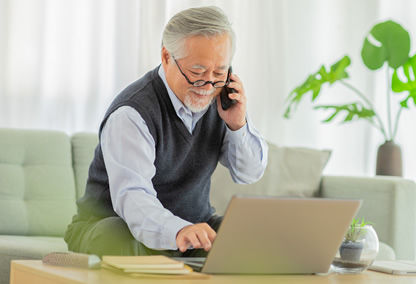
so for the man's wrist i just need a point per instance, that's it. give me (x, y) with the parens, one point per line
(236, 127)
(173, 227)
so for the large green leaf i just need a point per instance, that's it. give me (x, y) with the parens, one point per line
(315, 81)
(353, 111)
(387, 41)
(397, 85)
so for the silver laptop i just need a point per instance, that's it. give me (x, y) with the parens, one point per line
(270, 235)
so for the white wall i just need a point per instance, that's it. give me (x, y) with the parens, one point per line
(62, 62)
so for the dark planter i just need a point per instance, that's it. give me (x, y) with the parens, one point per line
(389, 159)
(351, 251)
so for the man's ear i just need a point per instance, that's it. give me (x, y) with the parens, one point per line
(165, 56)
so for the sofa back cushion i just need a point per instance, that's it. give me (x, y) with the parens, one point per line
(291, 171)
(83, 146)
(37, 189)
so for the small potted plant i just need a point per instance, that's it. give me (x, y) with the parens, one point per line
(352, 246)
(358, 249)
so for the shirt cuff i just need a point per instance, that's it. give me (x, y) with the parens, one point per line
(172, 226)
(237, 136)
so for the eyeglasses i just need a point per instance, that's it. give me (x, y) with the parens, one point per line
(200, 83)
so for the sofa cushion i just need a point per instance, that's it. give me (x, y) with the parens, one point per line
(37, 190)
(26, 247)
(290, 171)
(83, 145)
(30, 246)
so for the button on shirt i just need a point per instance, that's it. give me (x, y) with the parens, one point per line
(129, 154)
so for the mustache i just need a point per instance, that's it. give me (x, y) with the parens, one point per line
(203, 92)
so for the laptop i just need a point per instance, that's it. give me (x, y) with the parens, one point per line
(271, 235)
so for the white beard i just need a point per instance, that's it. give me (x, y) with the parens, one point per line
(196, 104)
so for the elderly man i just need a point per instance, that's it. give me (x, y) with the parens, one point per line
(160, 141)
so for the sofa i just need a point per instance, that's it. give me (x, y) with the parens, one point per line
(42, 173)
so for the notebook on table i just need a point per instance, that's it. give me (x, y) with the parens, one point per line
(270, 235)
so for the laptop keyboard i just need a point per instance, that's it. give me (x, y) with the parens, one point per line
(196, 263)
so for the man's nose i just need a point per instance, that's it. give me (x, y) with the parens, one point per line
(209, 78)
(208, 85)
(209, 82)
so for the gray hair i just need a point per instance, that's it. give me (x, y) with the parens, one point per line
(205, 21)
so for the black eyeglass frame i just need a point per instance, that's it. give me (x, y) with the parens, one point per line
(201, 83)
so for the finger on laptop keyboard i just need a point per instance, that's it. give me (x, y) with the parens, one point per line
(199, 235)
(193, 238)
(204, 239)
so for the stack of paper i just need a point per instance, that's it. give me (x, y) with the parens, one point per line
(155, 264)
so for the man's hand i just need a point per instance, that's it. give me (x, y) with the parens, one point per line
(199, 235)
(235, 116)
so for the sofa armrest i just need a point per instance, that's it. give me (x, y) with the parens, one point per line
(388, 202)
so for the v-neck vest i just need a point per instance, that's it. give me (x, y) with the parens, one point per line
(184, 161)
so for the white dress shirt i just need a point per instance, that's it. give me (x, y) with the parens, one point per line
(129, 154)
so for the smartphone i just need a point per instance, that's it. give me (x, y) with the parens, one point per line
(226, 102)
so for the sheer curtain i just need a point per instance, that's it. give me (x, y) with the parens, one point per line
(63, 61)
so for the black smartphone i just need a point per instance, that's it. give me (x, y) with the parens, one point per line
(226, 102)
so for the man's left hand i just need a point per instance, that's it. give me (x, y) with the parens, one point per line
(235, 116)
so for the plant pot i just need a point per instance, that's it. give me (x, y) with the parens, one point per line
(351, 251)
(389, 159)
(355, 256)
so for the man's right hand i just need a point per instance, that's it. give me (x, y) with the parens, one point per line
(199, 235)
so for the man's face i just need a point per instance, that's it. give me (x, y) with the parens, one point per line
(206, 58)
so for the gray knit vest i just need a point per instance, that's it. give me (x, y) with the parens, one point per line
(184, 162)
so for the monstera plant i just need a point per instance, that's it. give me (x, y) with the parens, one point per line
(387, 43)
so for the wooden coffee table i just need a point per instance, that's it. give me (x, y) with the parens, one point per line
(35, 272)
